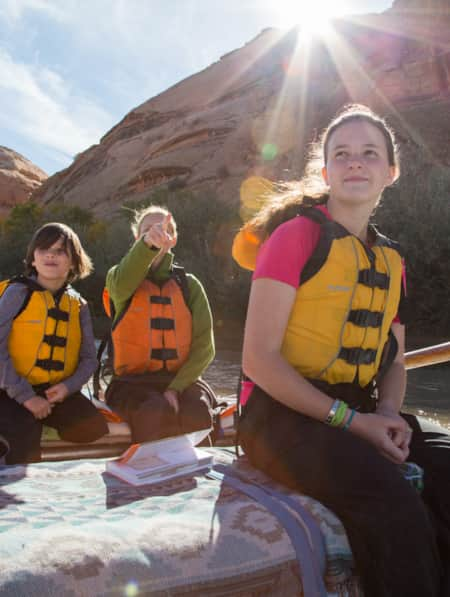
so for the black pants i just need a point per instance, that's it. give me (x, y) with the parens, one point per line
(140, 402)
(397, 549)
(76, 420)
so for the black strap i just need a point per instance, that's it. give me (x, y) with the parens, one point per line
(160, 300)
(372, 278)
(50, 365)
(58, 314)
(179, 275)
(162, 323)
(53, 340)
(365, 318)
(164, 354)
(358, 356)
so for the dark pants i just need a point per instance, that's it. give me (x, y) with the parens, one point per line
(397, 551)
(76, 420)
(140, 402)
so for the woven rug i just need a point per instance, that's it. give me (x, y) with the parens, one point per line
(67, 529)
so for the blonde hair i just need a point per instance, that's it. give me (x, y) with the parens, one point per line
(139, 216)
(311, 189)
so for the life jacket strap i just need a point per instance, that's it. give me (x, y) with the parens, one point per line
(160, 300)
(58, 314)
(358, 356)
(52, 340)
(50, 365)
(162, 323)
(372, 278)
(365, 318)
(164, 354)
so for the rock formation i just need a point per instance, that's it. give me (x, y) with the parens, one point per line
(18, 179)
(253, 111)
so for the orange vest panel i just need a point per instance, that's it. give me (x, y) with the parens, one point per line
(154, 332)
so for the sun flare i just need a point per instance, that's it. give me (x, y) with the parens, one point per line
(311, 16)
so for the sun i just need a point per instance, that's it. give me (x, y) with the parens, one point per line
(311, 16)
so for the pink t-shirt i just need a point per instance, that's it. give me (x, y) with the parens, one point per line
(296, 238)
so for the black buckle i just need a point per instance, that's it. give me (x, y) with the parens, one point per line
(160, 300)
(365, 318)
(164, 354)
(358, 356)
(372, 278)
(55, 341)
(50, 365)
(162, 323)
(58, 314)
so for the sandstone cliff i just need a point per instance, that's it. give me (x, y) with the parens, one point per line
(253, 111)
(18, 179)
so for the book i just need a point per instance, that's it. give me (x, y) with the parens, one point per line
(153, 462)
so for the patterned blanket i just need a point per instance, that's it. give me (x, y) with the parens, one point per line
(67, 529)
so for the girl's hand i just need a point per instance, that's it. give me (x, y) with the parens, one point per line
(39, 407)
(402, 438)
(386, 433)
(172, 398)
(57, 393)
(159, 236)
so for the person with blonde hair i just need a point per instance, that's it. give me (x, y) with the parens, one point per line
(324, 359)
(162, 335)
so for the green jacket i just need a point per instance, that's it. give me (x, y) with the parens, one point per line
(124, 278)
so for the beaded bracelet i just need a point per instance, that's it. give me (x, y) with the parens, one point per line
(349, 420)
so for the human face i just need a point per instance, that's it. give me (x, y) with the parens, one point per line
(357, 168)
(52, 265)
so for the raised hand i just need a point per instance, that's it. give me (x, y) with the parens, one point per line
(161, 235)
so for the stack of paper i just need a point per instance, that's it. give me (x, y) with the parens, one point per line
(157, 461)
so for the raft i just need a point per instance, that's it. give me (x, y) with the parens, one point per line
(68, 529)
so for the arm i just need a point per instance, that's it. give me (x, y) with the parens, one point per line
(16, 386)
(87, 362)
(123, 279)
(270, 305)
(202, 347)
(392, 386)
(392, 390)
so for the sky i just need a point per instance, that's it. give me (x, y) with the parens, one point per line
(72, 69)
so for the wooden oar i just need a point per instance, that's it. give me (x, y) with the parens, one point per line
(430, 355)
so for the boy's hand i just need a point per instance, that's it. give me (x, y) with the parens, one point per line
(57, 393)
(172, 398)
(39, 407)
(159, 235)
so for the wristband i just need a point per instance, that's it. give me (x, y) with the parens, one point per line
(339, 417)
(332, 412)
(349, 420)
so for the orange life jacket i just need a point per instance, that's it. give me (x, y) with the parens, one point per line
(154, 331)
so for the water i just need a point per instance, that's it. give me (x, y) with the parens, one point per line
(428, 392)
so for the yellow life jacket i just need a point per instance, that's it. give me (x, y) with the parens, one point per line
(45, 338)
(347, 298)
(154, 332)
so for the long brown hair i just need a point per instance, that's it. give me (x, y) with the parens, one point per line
(311, 189)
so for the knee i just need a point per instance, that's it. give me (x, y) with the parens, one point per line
(86, 430)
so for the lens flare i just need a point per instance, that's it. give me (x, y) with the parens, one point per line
(254, 192)
(131, 589)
